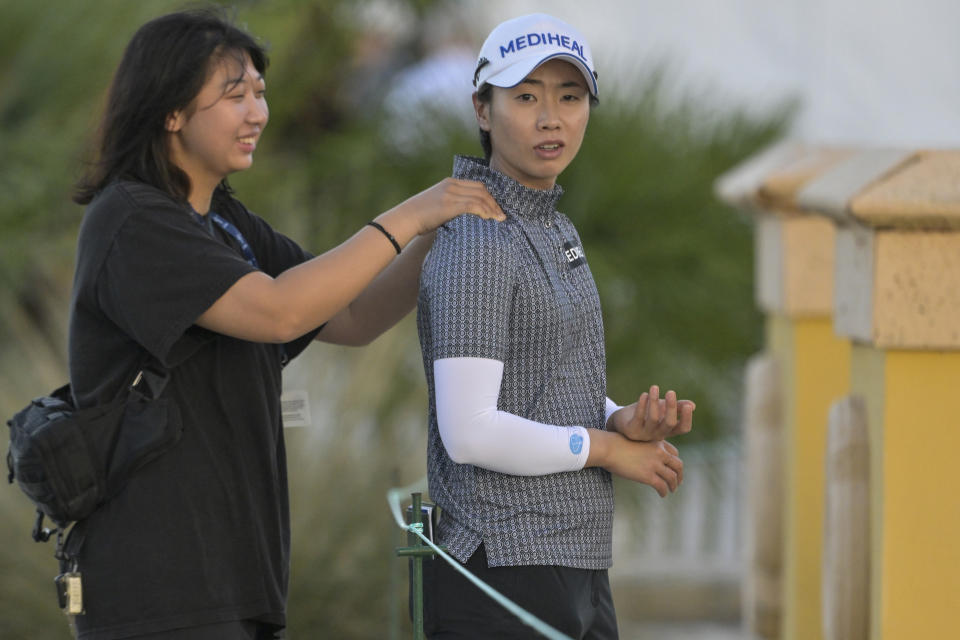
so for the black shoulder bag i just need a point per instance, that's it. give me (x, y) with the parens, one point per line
(69, 461)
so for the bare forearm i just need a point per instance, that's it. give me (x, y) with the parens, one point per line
(390, 297)
(600, 443)
(264, 309)
(342, 274)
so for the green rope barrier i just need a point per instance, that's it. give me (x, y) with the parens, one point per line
(395, 495)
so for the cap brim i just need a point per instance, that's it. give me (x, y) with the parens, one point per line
(515, 73)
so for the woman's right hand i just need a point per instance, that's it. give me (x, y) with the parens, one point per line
(444, 201)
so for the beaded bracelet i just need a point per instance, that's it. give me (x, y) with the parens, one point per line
(379, 227)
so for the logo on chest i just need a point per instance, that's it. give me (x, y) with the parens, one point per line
(574, 254)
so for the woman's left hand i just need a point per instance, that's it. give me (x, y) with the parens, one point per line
(653, 418)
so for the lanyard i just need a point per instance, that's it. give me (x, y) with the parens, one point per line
(232, 230)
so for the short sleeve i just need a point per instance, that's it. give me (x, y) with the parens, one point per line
(467, 289)
(162, 271)
(275, 253)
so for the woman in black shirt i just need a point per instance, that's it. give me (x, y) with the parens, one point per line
(171, 268)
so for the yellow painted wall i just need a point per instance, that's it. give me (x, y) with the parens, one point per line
(921, 516)
(913, 403)
(868, 379)
(816, 371)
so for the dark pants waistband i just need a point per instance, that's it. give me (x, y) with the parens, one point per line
(576, 602)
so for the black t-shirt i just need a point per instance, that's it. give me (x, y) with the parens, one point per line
(201, 534)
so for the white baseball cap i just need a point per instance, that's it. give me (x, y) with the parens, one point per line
(518, 46)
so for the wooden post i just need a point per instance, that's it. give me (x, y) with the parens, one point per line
(763, 544)
(846, 553)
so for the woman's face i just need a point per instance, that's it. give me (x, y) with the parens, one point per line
(536, 127)
(217, 134)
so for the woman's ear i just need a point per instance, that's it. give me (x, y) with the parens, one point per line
(174, 122)
(482, 110)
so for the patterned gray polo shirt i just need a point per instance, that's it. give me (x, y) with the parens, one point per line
(520, 292)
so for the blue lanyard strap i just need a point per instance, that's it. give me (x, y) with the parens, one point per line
(234, 233)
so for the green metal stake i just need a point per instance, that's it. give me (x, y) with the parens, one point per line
(417, 516)
(417, 551)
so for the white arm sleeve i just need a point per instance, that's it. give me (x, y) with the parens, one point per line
(475, 432)
(612, 408)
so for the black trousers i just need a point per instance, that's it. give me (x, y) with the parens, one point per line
(576, 602)
(236, 630)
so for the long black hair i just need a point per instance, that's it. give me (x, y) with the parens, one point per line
(162, 71)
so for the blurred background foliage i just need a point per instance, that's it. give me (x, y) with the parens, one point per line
(673, 265)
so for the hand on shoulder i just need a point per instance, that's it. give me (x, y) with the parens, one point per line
(440, 203)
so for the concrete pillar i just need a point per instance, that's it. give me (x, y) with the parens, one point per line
(898, 299)
(795, 288)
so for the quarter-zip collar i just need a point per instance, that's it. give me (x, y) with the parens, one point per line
(514, 198)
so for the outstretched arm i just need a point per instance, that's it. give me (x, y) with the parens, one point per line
(264, 309)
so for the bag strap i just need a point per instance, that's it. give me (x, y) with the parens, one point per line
(39, 533)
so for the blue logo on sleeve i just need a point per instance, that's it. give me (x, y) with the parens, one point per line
(576, 443)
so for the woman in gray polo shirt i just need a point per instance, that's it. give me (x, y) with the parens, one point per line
(522, 438)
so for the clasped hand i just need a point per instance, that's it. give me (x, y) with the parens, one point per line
(639, 450)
